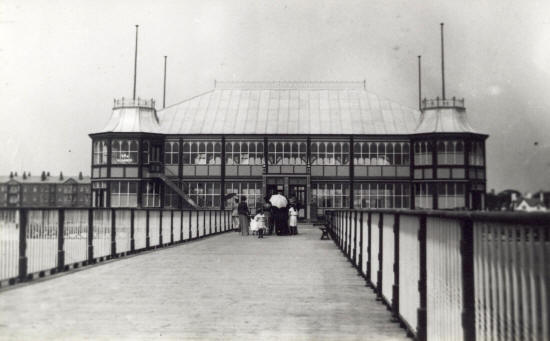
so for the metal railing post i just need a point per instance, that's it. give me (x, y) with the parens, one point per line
(113, 233)
(354, 249)
(90, 236)
(348, 246)
(360, 261)
(395, 288)
(190, 225)
(209, 221)
(198, 232)
(23, 262)
(369, 241)
(181, 225)
(204, 224)
(171, 226)
(60, 240)
(147, 240)
(132, 231)
(422, 317)
(380, 273)
(468, 288)
(160, 228)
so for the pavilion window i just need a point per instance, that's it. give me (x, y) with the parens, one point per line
(476, 157)
(287, 153)
(451, 195)
(124, 151)
(100, 152)
(171, 153)
(381, 195)
(151, 194)
(450, 152)
(145, 150)
(204, 194)
(244, 153)
(123, 194)
(424, 195)
(330, 195)
(201, 153)
(422, 153)
(251, 190)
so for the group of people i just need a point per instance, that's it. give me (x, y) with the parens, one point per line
(268, 219)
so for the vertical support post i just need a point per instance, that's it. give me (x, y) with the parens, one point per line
(135, 63)
(147, 240)
(181, 225)
(60, 240)
(354, 249)
(113, 233)
(198, 233)
(395, 288)
(209, 222)
(190, 225)
(422, 317)
(360, 261)
(468, 288)
(204, 224)
(369, 240)
(23, 218)
(442, 64)
(132, 231)
(350, 223)
(160, 228)
(379, 274)
(90, 236)
(171, 226)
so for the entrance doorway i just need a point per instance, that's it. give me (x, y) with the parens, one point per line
(299, 192)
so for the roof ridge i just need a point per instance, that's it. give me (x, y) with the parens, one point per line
(288, 85)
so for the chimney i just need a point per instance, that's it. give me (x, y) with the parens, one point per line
(16, 174)
(80, 177)
(29, 174)
(24, 176)
(60, 175)
(47, 173)
(43, 176)
(11, 175)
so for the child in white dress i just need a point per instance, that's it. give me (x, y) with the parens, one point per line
(293, 220)
(260, 223)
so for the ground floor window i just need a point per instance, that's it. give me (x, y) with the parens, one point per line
(450, 196)
(123, 194)
(204, 194)
(151, 194)
(251, 190)
(330, 195)
(423, 195)
(381, 195)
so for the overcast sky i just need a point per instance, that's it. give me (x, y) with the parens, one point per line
(63, 62)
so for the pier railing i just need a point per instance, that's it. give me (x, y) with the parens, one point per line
(35, 242)
(454, 276)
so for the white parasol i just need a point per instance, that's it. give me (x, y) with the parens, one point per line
(278, 201)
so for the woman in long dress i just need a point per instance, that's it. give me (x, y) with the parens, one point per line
(244, 213)
(293, 220)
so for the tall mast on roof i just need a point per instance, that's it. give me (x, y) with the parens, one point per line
(419, 83)
(164, 89)
(442, 64)
(135, 62)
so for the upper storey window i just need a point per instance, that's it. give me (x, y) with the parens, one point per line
(329, 153)
(381, 153)
(423, 153)
(287, 153)
(201, 153)
(244, 153)
(171, 153)
(450, 152)
(476, 157)
(124, 151)
(100, 152)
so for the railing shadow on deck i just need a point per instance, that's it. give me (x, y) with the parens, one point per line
(35, 242)
(453, 275)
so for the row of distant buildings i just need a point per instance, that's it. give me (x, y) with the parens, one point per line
(513, 200)
(27, 190)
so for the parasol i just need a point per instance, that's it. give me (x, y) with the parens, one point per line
(229, 196)
(278, 201)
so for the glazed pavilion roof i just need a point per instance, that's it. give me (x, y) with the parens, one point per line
(288, 108)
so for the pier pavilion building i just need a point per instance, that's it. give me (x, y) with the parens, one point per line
(329, 144)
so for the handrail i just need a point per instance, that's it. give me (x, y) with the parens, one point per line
(92, 235)
(462, 259)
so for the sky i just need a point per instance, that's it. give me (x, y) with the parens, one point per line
(63, 62)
